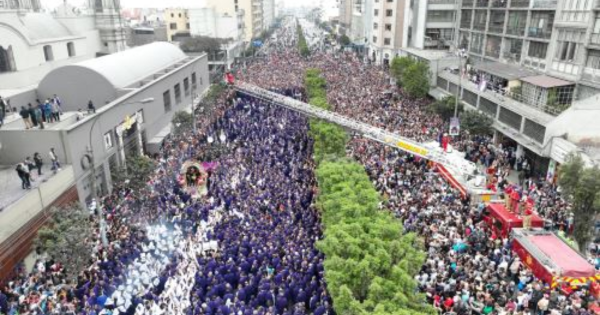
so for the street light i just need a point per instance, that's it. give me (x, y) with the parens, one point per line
(93, 165)
(461, 54)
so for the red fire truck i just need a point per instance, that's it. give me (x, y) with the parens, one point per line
(502, 221)
(551, 259)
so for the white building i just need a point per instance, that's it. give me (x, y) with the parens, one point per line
(32, 43)
(268, 13)
(209, 22)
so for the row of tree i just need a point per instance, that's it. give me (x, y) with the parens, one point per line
(370, 263)
(302, 44)
(329, 139)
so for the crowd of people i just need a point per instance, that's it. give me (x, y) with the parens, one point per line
(468, 270)
(247, 246)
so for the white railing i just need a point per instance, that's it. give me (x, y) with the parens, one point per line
(429, 152)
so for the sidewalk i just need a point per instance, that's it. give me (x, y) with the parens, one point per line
(10, 184)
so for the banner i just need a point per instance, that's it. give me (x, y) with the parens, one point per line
(551, 171)
(454, 126)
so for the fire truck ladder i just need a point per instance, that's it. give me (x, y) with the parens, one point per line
(457, 168)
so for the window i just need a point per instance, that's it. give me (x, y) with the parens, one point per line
(71, 49)
(390, 0)
(179, 14)
(387, 41)
(186, 86)
(389, 12)
(108, 143)
(98, 6)
(374, 39)
(172, 15)
(48, 55)
(375, 26)
(593, 59)
(537, 50)
(177, 89)
(173, 26)
(194, 80)
(167, 101)
(388, 27)
(565, 51)
(187, 25)
(376, 12)
(567, 44)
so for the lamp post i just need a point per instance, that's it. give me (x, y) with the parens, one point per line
(461, 53)
(92, 159)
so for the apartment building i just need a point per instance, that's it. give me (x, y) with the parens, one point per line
(178, 24)
(253, 14)
(393, 25)
(530, 64)
(431, 24)
(386, 32)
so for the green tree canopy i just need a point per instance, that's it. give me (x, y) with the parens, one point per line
(370, 264)
(201, 43)
(136, 172)
(476, 122)
(415, 80)
(329, 139)
(445, 107)
(345, 40)
(67, 236)
(302, 45)
(182, 121)
(581, 185)
(399, 65)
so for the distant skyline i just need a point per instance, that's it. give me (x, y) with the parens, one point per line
(165, 3)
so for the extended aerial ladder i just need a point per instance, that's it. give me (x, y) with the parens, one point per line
(461, 174)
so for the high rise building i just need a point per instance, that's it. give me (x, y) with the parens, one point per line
(253, 14)
(393, 25)
(268, 13)
(532, 65)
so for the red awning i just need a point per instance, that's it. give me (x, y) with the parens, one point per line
(563, 256)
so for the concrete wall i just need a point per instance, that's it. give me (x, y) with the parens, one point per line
(30, 62)
(73, 86)
(17, 144)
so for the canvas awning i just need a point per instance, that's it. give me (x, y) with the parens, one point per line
(546, 82)
(505, 71)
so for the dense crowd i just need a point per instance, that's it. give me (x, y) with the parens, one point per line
(468, 270)
(247, 246)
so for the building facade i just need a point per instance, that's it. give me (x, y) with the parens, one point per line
(526, 63)
(252, 10)
(136, 93)
(177, 23)
(387, 32)
(431, 24)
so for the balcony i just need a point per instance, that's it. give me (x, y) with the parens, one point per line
(468, 3)
(519, 3)
(544, 4)
(536, 32)
(482, 3)
(591, 75)
(444, 2)
(517, 31)
(595, 39)
(499, 3)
